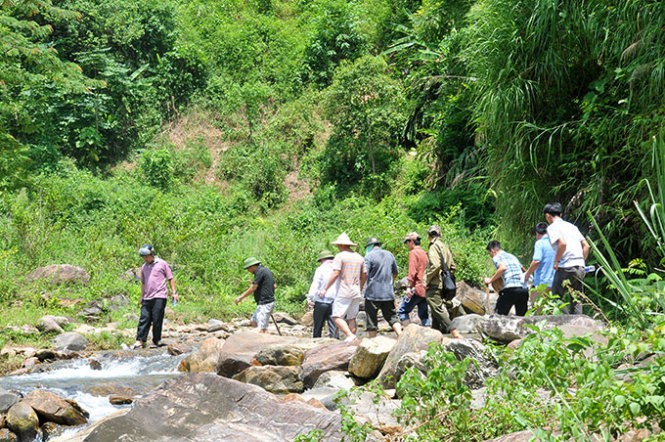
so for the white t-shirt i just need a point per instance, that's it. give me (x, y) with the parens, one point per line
(573, 255)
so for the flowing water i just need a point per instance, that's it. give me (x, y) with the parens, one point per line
(130, 375)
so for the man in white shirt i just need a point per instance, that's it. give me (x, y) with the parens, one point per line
(323, 303)
(571, 250)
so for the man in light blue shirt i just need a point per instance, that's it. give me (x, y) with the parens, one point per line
(542, 264)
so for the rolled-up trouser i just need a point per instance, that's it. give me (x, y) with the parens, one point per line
(575, 277)
(443, 312)
(152, 313)
(323, 314)
(407, 306)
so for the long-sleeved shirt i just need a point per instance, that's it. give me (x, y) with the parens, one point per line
(321, 277)
(437, 250)
(417, 265)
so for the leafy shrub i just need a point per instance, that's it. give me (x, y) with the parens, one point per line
(157, 167)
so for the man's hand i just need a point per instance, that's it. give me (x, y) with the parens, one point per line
(556, 265)
(487, 281)
(238, 299)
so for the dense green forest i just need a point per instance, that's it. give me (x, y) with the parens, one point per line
(220, 129)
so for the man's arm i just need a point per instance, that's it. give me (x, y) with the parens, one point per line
(560, 249)
(363, 279)
(532, 268)
(434, 266)
(174, 293)
(252, 288)
(497, 275)
(331, 281)
(585, 249)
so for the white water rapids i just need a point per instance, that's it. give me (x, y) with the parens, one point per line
(90, 388)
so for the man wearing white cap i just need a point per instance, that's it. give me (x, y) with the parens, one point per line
(349, 274)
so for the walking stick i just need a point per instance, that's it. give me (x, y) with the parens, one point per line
(276, 326)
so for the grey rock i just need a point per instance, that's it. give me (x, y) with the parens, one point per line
(288, 354)
(509, 328)
(209, 408)
(411, 360)
(52, 324)
(118, 399)
(335, 379)
(467, 324)
(413, 339)
(204, 359)
(284, 318)
(217, 325)
(60, 274)
(94, 364)
(275, 379)
(23, 421)
(70, 341)
(483, 368)
(378, 411)
(241, 348)
(7, 436)
(327, 357)
(370, 356)
(7, 399)
(117, 302)
(51, 407)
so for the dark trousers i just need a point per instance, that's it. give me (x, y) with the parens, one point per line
(407, 306)
(323, 314)
(574, 276)
(152, 312)
(513, 296)
(443, 311)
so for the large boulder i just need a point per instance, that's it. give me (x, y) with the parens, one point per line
(327, 357)
(52, 324)
(483, 368)
(289, 354)
(471, 298)
(275, 379)
(467, 324)
(60, 274)
(204, 359)
(53, 408)
(241, 348)
(412, 340)
(23, 421)
(370, 356)
(509, 328)
(209, 408)
(71, 341)
(7, 399)
(376, 410)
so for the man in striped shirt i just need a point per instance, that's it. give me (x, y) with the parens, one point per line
(509, 269)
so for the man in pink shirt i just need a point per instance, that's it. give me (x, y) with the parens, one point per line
(415, 291)
(154, 274)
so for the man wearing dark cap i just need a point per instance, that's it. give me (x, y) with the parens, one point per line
(154, 274)
(263, 287)
(440, 303)
(381, 270)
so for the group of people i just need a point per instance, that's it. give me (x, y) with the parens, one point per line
(558, 265)
(342, 280)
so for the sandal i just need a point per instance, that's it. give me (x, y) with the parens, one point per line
(153, 345)
(136, 346)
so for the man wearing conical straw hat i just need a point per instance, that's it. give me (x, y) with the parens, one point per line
(349, 275)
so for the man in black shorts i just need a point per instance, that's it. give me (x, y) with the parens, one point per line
(381, 270)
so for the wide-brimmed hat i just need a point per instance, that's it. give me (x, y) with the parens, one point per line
(434, 229)
(251, 261)
(325, 254)
(413, 236)
(373, 241)
(343, 240)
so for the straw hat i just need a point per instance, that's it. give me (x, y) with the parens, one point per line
(343, 240)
